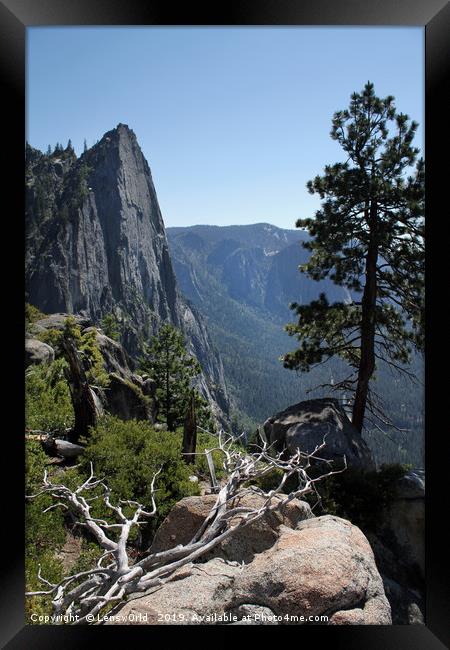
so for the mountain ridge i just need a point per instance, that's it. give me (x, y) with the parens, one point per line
(230, 253)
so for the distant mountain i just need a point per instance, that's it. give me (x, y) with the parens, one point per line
(242, 279)
(96, 244)
(256, 265)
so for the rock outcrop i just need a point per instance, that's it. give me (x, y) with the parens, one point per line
(57, 321)
(96, 244)
(307, 424)
(404, 521)
(299, 568)
(115, 357)
(63, 448)
(125, 399)
(37, 352)
(187, 516)
(128, 395)
(399, 547)
(324, 566)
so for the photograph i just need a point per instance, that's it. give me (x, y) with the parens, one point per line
(224, 337)
(220, 330)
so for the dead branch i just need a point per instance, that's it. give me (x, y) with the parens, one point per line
(85, 595)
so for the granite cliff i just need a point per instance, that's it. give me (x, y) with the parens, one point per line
(96, 245)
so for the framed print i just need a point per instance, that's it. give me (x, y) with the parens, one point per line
(230, 398)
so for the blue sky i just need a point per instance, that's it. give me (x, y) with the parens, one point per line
(233, 121)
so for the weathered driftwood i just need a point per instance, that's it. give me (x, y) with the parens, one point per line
(86, 594)
(212, 471)
(190, 432)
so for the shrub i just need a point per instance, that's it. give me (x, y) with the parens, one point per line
(44, 532)
(208, 441)
(87, 346)
(127, 454)
(52, 570)
(93, 359)
(48, 406)
(32, 314)
(110, 326)
(272, 479)
(52, 337)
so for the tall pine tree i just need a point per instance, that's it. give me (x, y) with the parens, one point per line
(368, 236)
(173, 369)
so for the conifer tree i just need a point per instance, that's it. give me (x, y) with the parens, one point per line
(368, 236)
(110, 326)
(173, 369)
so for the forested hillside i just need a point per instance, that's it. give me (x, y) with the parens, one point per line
(242, 279)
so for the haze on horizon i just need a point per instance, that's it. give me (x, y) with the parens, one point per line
(233, 121)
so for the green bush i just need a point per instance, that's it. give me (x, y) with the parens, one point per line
(272, 480)
(87, 346)
(52, 337)
(48, 406)
(44, 532)
(32, 314)
(111, 327)
(127, 454)
(208, 441)
(51, 570)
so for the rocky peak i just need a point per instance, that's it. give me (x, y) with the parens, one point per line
(96, 244)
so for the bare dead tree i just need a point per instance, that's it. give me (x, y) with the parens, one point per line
(85, 595)
(82, 396)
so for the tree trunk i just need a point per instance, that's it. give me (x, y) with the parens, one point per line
(82, 399)
(367, 361)
(190, 432)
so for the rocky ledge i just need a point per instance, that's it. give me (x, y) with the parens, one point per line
(292, 568)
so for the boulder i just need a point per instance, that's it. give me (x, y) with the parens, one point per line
(412, 485)
(182, 522)
(305, 425)
(115, 358)
(126, 400)
(58, 447)
(196, 593)
(253, 615)
(37, 352)
(187, 516)
(57, 321)
(149, 387)
(398, 546)
(322, 567)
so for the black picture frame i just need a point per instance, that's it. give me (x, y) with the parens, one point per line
(15, 17)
